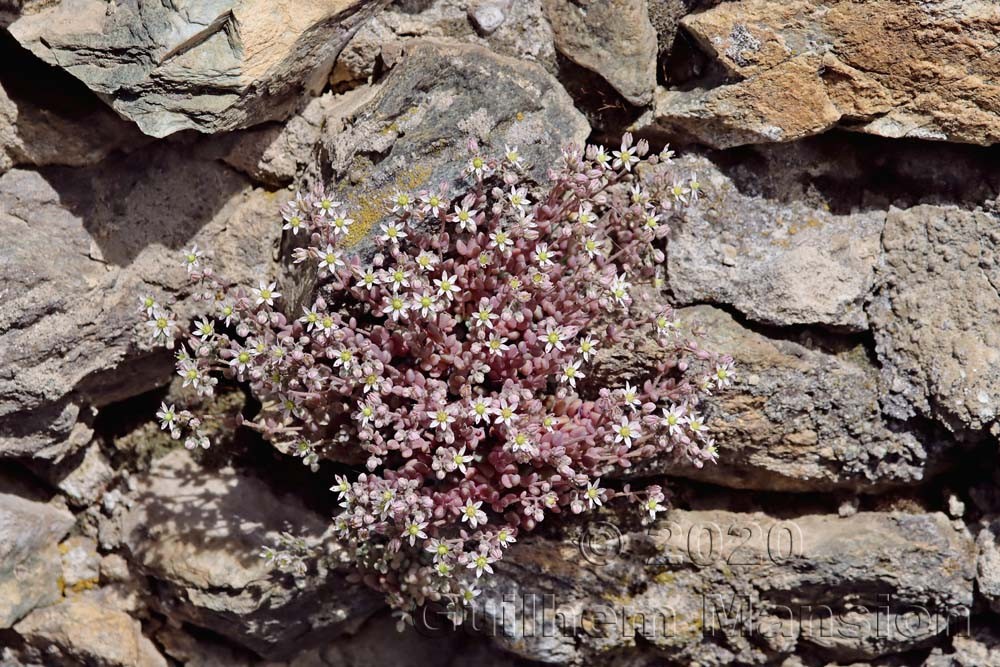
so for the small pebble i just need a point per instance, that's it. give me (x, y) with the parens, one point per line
(487, 16)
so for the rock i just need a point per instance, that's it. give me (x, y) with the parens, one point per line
(117, 229)
(935, 312)
(778, 262)
(800, 416)
(718, 588)
(29, 560)
(199, 533)
(612, 39)
(488, 15)
(988, 563)
(799, 68)
(62, 123)
(209, 66)
(79, 631)
(80, 563)
(82, 478)
(981, 650)
(524, 34)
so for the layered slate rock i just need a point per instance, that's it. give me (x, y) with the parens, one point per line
(613, 39)
(719, 588)
(782, 262)
(30, 565)
(81, 247)
(936, 315)
(921, 70)
(199, 533)
(210, 66)
(803, 413)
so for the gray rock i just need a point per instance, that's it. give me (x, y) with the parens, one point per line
(488, 15)
(29, 559)
(199, 533)
(718, 588)
(81, 565)
(117, 230)
(778, 262)
(79, 631)
(613, 39)
(82, 479)
(988, 563)
(935, 313)
(982, 649)
(209, 66)
(525, 34)
(798, 417)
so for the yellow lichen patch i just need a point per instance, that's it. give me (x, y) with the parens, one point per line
(368, 206)
(665, 577)
(85, 585)
(519, 116)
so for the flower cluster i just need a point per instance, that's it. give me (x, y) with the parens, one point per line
(454, 365)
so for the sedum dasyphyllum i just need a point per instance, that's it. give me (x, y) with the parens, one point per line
(456, 360)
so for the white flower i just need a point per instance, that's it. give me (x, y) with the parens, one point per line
(571, 373)
(472, 514)
(326, 205)
(497, 345)
(293, 222)
(518, 198)
(461, 458)
(341, 224)
(468, 594)
(626, 431)
(651, 221)
(481, 563)
(441, 419)
(439, 548)
(465, 218)
(310, 318)
(401, 201)
(625, 157)
(368, 279)
(241, 360)
(478, 167)
(167, 417)
(696, 425)
(343, 487)
(506, 413)
(330, 260)
(544, 256)
(192, 258)
(601, 157)
(694, 188)
(594, 493)
(553, 338)
(395, 306)
(512, 156)
(653, 506)
(680, 192)
(505, 538)
(520, 442)
(630, 396)
(724, 375)
(415, 529)
(501, 240)
(447, 285)
(664, 323)
(396, 278)
(365, 413)
(673, 420)
(204, 329)
(587, 347)
(484, 316)
(227, 311)
(585, 215)
(481, 410)
(148, 305)
(344, 358)
(593, 247)
(265, 293)
(426, 260)
(425, 304)
(162, 325)
(392, 232)
(619, 289)
(433, 203)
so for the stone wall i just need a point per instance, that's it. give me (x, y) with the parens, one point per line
(847, 255)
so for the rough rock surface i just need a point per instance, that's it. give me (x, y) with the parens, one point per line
(117, 230)
(29, 560)
(988, 564)
(199, 533)
(777, 262)
(77, 631)
(980, 650)
(613, 39)
(210, 66)
(935, 315)
(695, 586)
(802, 416)
(922, 70)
